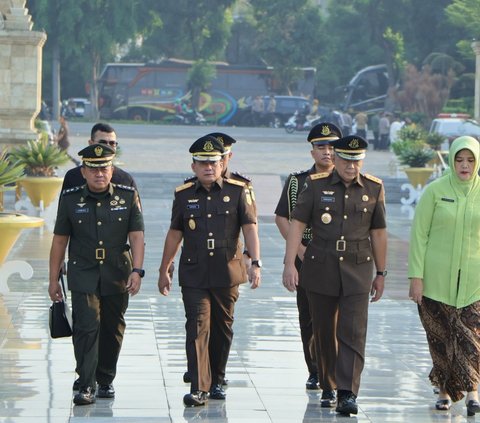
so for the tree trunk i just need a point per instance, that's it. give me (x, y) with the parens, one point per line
(56, 97)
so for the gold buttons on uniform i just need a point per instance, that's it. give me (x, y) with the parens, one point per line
(119, 219)
(345, 217)
(341, 258)
(227, 212)
(209, 215)
(342, 237)
(79, 221)
(210, 253)
(210, 234)
(99, 204)
(368, 258)
(101, 261)
(100, 242)
(99, 223)
(364, 210)
(365, 197)
(188, 260)
(209, 198)
(346, 195)
(327, 208)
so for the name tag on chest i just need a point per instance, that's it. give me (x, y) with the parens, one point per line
(327, 199)
(82, 210)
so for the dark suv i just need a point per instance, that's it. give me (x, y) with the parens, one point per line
(285, 107)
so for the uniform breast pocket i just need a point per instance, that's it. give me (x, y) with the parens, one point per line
(119, 216)
(82, 218)
(191, 218)
(227, 211)
(364, 212)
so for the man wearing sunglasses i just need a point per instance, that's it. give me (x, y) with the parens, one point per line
(102, 133)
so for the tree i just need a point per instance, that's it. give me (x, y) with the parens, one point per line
(86, 32)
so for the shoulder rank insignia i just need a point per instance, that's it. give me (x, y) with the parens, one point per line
(319, 175)
(125, 187)
(184, 186)
(190, 179)
(299, 172)
(240, 176)
(72, 190)
(235, 182)
(373, 178)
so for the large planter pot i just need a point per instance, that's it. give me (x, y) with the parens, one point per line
(11, 224)
(418, 175)
(41, 189)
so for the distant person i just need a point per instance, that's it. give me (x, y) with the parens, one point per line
(62, 140)
(271, 109)
(395, 127)
(384, 131)
(258, 109)
(375, 126)
(361, 120)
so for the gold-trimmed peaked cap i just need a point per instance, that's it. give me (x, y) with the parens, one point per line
(324, 133)
(207, 149)
(351, 147)
(97, 155)
(225, 139)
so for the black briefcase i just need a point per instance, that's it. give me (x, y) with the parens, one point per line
(59, 317)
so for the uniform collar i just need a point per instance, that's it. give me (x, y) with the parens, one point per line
(218, 182)
(336, 179)
(88, 193)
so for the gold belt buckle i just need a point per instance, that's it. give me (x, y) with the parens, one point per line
(210, 244)
(100, 253)
(341, 245)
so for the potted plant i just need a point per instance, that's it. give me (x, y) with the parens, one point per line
(40, 159)
(414, 154)
(11, 224)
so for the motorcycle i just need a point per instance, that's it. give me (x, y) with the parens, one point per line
(191, 117)
(300, 122)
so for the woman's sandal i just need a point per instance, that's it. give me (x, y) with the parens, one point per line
(443, 404)
(472, 408)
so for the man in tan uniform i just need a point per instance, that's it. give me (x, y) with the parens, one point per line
(346, 210)
(207, 214)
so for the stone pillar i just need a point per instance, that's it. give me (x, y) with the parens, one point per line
(20, 73)
(476, 48)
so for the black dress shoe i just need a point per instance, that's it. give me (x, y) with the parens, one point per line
(106, 391)
(195, 399)
(347, 404)
(86, 396)
(76, 385)
(217, 392)
(472, 408)
(329, 398)
(186, 378)
(312, 382)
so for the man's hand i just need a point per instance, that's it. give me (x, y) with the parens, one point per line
(254, 277)
(378, 285)
(164, 283)
(133, 283)
(55, 291)
(290, 277)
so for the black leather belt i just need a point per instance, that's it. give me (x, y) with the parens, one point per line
(342, 245)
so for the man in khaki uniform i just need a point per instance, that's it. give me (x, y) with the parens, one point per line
(321, 137)
(95, 220)
(346, 210)
(207, 214)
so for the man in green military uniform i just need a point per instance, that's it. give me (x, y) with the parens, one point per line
(346, 211)
(321, 137)
(207, 214)
(95, 220)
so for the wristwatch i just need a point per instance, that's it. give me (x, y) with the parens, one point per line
(382, 273)
(141, 272)
(257, 263)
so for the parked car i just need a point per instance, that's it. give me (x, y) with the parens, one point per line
(75, 107)
(453, 125)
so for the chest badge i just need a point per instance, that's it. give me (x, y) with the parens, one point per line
(191, 224)
(364, 197)
(226, 199)
(326, 218)
(113, 202)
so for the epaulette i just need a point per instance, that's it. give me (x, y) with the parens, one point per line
(125, 187)
(184, 186)
(373, 178)
(190, 179)
(235, 182)
(239, 175)
(300, 172)
(319, 175)
(72, 190)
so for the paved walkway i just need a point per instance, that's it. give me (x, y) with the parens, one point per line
(266, 371)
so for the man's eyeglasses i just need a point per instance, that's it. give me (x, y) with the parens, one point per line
(110, 143)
